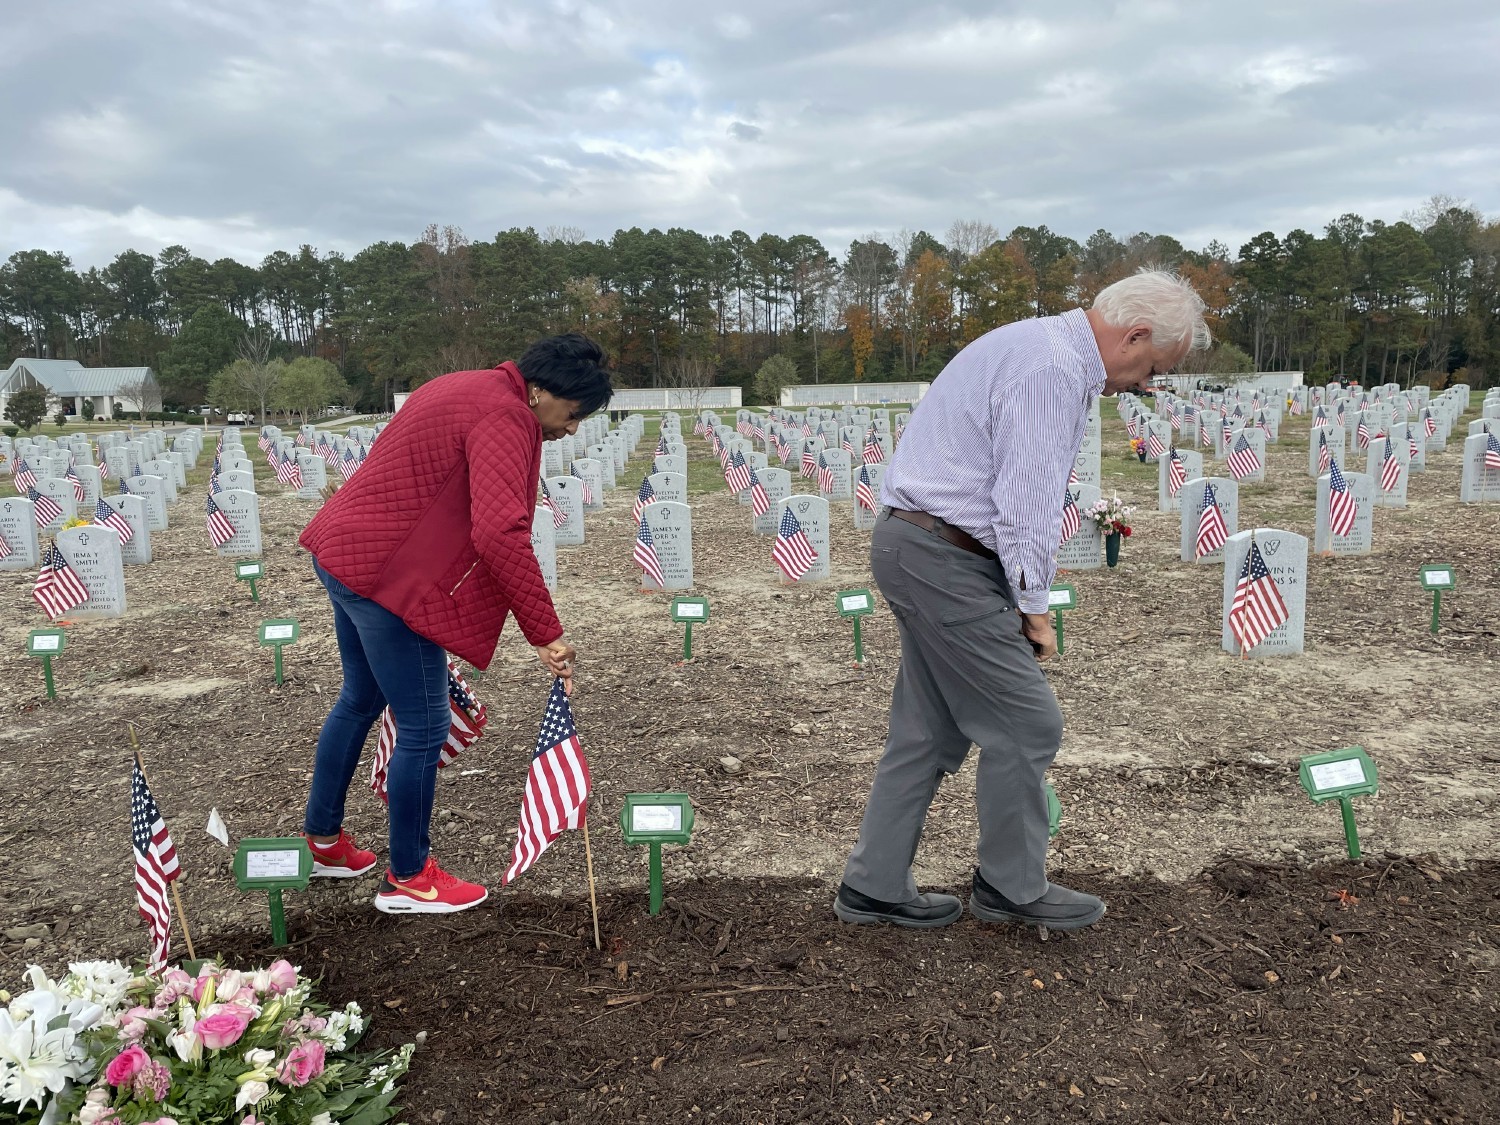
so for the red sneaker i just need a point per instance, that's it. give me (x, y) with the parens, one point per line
(431, 891)
(342, 859)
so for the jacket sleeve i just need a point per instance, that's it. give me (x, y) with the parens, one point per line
(502, 498)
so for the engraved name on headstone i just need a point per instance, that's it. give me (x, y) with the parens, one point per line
(1360, 537)
(671, 527)
(94, 555)
(567, 495)
(18, 529)
(544, 545)
(1226, 495)
(1285, 556)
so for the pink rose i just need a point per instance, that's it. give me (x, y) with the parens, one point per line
(303, 1065)
(174, 984)
(223, 1026)
(125, 1066)
(205, 974)
(283, 977)
(245, 996)
(133, 1022)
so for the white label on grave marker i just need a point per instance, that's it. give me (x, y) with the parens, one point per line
(1439, 578)
(46, 643)
(1337, 775)
(656, 818)
(273, 865)
(690, 609)
(854, 601)
(278, 632)
(1058, 597)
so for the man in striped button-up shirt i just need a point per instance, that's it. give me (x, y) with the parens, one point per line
(965, 555)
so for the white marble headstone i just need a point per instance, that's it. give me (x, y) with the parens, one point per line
(1285, 555)
(567, 495)
(865, 518)
(1192, 464)
(1335, 437)
(18, 529)
(1226, 494)
(544, 545)
(1361, 536)
(671, 527)
(840, 464)
(1478, 484)
(242, 506)
(778, 486)
(94, 554)
(62, 492)
(152, 491)
(1375, 470)
(669, 487)
(1084, 550)
(591, 472)
(812, 514)
(138, 551)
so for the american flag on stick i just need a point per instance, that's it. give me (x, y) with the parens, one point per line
(825, 475)
(1390, 467)
(348, 464)
(864, 490)
(645, 495)
(1154, 446)
(45, 509)
(156, 865)
(793, 552)
(1243, 460)
(1176, 473)
(645, 555)
(557, 785)
(1362, 435)
(466, 721)
(72, 478)
(220, 529)
(809, 462)
(1073, 476)
(873, 453)
(1295, 406)
(1131, 427)
(1212, 532)
(1340, 502)
(1491, 452)
(588, 489)
(1429, 423)
(5, 548)
(1204, 436)
(1258, 607)
(1072, 520)
(737, 473)
(57, 588)
(760, 501)
(22, 476)
(1325, 455)
(104, 473)
(105, 516)
(559, 517)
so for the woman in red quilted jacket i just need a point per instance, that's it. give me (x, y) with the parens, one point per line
(423, 552)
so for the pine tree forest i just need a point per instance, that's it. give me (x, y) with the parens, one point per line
(1414, 300)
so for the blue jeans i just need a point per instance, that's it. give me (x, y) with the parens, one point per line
(384, 662)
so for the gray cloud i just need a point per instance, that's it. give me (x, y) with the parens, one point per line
(239, 128)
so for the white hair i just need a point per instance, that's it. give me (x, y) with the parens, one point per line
(1160, 300)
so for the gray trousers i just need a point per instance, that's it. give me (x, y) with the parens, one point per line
(967, 676)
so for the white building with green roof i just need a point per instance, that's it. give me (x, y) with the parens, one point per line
(68, 385)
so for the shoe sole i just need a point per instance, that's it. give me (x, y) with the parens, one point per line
(866, 918)
(415, 906)
(985, 914)
(324, 871)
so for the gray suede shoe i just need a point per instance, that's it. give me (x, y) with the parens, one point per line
(1058, 909)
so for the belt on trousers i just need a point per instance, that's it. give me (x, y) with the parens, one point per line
(957, 536)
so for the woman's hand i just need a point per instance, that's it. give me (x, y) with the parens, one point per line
(558, 658)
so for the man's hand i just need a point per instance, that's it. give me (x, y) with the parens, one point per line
(558, 658)
(1039, 633)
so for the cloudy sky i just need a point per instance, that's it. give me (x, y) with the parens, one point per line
(243, 127)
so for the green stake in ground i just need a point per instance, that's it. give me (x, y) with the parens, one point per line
(655, 819)
(1054, 810)
(690, 612)
(1338, 776)
(249, 570)
(46, 643)
(1438, 577)
(1061, 597)
(856, 604)
(278, 634)
(276, 864)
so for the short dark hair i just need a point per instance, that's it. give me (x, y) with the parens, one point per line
(570, 366)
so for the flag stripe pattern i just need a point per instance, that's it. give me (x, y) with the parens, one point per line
(156, 865)
(45, 508)
(1492, 452)
(760, 501)
(559, 517)
(1212, 532)
(1325, 455)
(1072, 520)
(58, 587)
(1390, 467)
(105, 516)
(793, 552)
(1258, 607)
(466, 721)
(645, 495)
(864, 491)
(645, 555)
(557, 785)
(1340, 502)
(220, 529)
(1242, 459)
(1176, 474)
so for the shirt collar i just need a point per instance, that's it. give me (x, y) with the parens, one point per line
(1076, 323)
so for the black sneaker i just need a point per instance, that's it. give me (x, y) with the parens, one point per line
(1058, 909)
(925, 912)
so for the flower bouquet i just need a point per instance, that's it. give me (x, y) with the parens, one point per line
(1111, 515)
(1138, 447)
(105, 1047)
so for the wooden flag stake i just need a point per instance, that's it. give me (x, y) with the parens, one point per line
(187, 934)
(588, 857)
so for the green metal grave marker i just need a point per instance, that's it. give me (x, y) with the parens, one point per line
(1062, 596)
(278, 634)
(46, 643)
(249, 570)
(273, 864)
(856, 604)
(1054, 810)
(1438, 577)
(690, 612)
(655, 819)
(1338, 776)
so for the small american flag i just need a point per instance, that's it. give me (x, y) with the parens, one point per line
(348, 464)
(57, 588)
(1325, 455)
(737, 473)
(156, 865)
(214, 487)
(264, 442)
(1491, 452)
(661, 442)
(105, 516)
(1176, 473)
(1212, 532)
(760, 500)
(559, 517)
(757, 431)
(1258, 607)
(809, 462)
(1413, 451)
(1243, 460)
(466, 721)
(104, 473)
(72, 478)
(1073, 476)
(1072, 520)
(825, 474)
(557, 785)
(1429, 423)
(1154, 446)
(645, 555)
(1131, 427)
(864, 490)
(1362, 435)
(588, 489)
(874, 453)
(220, 530)
(1204, 436)
(1296, 406)
(1340, 502)
(792, 551)
(646, 495)
(22, 476)
(1339, 417)
(1390, 468)
(45, 509)
(5, 548)
(846, 443)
